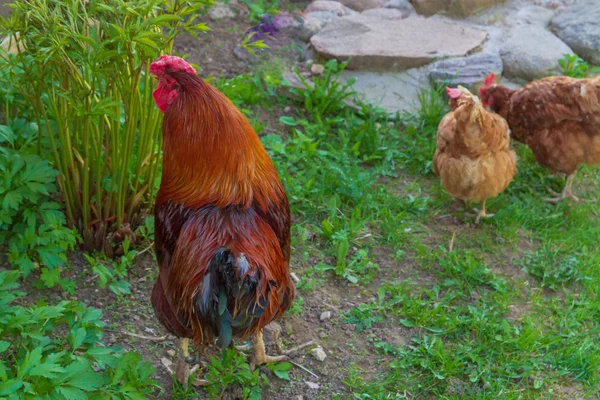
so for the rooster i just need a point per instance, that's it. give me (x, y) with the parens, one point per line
(222, 220)
(557, 117)
(473, 158)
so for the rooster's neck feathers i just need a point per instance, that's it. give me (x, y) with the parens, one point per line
(212, 154)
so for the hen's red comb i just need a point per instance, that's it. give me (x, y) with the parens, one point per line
(453, 93)
(489, 79)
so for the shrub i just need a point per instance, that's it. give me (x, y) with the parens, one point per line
(83, 67)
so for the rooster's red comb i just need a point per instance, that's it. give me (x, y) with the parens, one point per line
(453, 93)
(489, 79)
(172, 63)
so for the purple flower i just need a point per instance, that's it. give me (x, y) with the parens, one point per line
(266, 29)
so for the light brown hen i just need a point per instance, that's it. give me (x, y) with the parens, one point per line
(473, 158)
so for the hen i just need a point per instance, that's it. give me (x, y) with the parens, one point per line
(557, 117)
(473, 158)
(222, 220)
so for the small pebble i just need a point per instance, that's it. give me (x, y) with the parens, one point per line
(171, 353)
(325, 316)
(313, 385)
(317, 69)
(319, 353)
(166, 363)
(287, 109)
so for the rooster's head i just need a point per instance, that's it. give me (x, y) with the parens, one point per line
(168, 70)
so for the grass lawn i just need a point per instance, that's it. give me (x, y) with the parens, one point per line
(425, 303)
(422, 303)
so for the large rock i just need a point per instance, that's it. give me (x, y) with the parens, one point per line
(535, 15)
(468, 72)
(530, 52)
(460, 8)
(402, 5)
(579, 27)
(362, 5)
(220, 11)
(308, 28)
(322, 5)
(324, 16)
(392, 91)
(386, 13)
(375, 44)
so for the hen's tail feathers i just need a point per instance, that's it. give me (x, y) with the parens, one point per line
(230, 296)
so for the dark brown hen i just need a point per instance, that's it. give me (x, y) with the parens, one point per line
(557, 117)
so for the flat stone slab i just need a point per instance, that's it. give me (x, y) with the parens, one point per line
(394, 45)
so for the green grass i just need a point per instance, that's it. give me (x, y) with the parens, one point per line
(511, 312)
(506, 310)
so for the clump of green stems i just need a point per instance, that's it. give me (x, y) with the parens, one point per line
(83, 67)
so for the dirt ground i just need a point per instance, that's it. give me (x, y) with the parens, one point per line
(131, 322)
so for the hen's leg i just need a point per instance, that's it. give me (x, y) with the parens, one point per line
(481, 213)
(260, 355)
(566, 193)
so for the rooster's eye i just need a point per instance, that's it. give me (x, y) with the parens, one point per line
(175, 87)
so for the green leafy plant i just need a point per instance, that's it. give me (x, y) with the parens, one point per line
(32, 225)
(328, 92)
(56, 351)
(112, 272)
(83, 66)
(259, 8)
(232, 368)
(432, 106)
(280, 370)
(575, 67)
(552, 267)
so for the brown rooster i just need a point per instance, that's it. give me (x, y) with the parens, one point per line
(222, 220)
(557, 117)
(473, 158)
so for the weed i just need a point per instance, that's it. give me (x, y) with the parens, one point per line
(56, 351)
(575, 67)
(260, 8)
(327, 93)
(112, 272)
(32, 225)
(552, 267)
(232, 368)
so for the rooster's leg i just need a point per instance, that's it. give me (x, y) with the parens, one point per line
(482, 214)
(260, 355)
(566, 193)
(182, 369)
